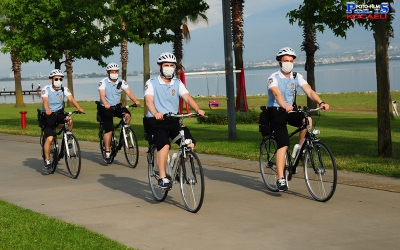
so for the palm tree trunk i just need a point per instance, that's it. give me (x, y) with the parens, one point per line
(146, 65)
(310, 46)
(178, 49)
(69, 69)
(237, 38)
(124, 62)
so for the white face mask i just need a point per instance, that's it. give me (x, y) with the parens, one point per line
(114, 76)
(57, 84)
(168, 71)
(287, 67)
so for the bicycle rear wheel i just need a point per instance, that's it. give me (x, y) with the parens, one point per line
(153, 174)
(53, 156)
(267, 162)
(72, 156)
(192, 182)
(131, 149)
(320, 172)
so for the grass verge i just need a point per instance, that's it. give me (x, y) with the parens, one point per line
(24, 229)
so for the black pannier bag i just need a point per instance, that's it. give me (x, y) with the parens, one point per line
(40, 117)
(263, 122)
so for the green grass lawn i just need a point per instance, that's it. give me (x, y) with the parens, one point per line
(349, 128)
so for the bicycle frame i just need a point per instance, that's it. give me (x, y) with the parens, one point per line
(309, 138)
(127, 139)
(182, 148)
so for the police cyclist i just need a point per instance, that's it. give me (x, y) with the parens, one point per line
(53, 106)
(110, 89)
(161, 96)
(282, 91)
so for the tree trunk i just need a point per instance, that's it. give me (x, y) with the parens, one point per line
(146, 65)
(16, 67)
(69, 69)
(124, 61)
(310, 45)
(178, 49)
(237, 38)
(383, 86)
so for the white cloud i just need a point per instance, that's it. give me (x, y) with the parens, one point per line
(214, 13)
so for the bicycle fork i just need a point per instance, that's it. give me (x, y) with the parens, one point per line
(127, 137)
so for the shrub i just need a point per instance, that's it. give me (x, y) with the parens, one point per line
(221, 118)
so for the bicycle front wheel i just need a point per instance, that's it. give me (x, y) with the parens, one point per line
(102, 147)
(320, 172)
(153, 174)
(192, 182)
(72, 156)
(131, 148)
(267, 162)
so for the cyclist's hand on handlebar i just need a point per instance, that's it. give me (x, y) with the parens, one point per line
(324, 106)
(159, 116)
(137, 102)
(81, 110)
(200, 112)
(289, 108)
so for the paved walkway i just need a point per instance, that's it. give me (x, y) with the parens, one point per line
(238, 212)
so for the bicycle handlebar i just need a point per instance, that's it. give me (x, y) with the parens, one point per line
(180, 115)
(73, 112)
(119, 105)
(305, 110)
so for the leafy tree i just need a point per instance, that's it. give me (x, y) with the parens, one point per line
(147, 22)
(15, 62)
(47, 30)
(316, 14)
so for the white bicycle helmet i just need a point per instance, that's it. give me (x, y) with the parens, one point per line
(56, 72)
(166, 57)
(285, 51)
(112, 66)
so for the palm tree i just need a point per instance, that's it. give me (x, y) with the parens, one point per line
(182, 32)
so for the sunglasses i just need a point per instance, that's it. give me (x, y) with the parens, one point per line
(58, 79)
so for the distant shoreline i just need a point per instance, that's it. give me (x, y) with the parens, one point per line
(249, 68)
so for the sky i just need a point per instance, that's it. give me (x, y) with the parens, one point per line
(214, 14)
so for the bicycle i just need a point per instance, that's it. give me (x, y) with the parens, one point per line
(69, 147)
(320, 170)
(184, 167)
(127, 139)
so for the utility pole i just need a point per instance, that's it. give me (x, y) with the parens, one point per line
(230, 93)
